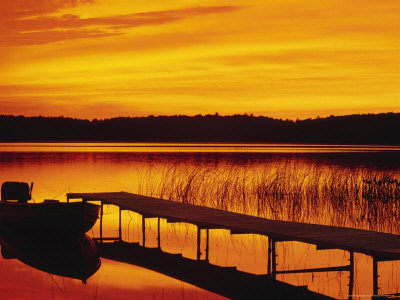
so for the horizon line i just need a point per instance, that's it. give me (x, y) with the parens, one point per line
(216, 114)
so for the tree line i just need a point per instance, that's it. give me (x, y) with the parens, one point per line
(351, 129)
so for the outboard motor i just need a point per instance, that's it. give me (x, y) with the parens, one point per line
(18, 191)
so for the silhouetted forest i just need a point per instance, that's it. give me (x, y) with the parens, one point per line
(351, 129)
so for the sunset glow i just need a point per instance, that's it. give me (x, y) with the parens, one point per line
(285, 59)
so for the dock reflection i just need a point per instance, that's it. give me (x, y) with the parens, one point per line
(225, 281)
(73, 256)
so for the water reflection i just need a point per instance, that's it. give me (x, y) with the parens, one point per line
(377, 160)
(194, 147)
(73, 256)
(225, 281)
(327, 271)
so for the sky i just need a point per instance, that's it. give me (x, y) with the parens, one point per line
(283, 59)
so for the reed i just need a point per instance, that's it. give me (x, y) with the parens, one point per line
(301, 192)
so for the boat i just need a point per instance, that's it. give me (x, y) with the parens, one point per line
(73, 256)
(47, 216)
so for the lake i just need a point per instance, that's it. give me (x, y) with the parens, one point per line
(349, 186)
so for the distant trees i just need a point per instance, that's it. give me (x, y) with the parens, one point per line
(351, 129)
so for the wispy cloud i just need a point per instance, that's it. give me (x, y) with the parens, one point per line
(16, 9)
(45, 29)
(50, 36)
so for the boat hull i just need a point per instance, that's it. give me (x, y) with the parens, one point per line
(73, 218)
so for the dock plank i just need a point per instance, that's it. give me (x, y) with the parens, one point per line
(377, 244)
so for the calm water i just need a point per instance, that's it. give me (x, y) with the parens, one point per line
(57, 169)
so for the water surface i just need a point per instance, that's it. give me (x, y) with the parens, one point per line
(59, 168)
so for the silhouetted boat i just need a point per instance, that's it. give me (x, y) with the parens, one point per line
(74, 256)
(50, 215)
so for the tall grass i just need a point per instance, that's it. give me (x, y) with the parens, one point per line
(290, 191)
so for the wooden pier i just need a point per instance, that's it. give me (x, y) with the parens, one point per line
(380, 246)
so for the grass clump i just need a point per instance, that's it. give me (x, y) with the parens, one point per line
(292, 191)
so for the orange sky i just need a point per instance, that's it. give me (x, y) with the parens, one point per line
(286, 58)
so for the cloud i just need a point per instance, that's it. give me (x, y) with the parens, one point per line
(51, 36)
(45, 29)
(16, 9)
(315, 57)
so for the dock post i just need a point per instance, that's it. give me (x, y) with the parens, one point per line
(269, 256)
(351, 276)
(101, 222)
(273, 256)
(207, 243)
(198, 242)
(144, 230)
(119, 227)
(375, 275)
(158, 234)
